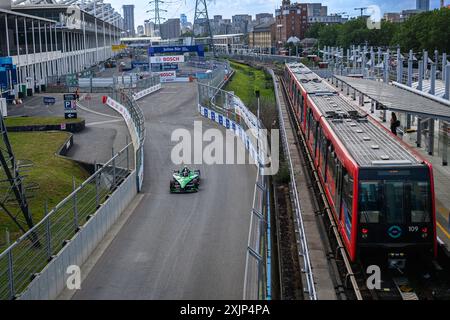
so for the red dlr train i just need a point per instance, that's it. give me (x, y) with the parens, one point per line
(381, 191)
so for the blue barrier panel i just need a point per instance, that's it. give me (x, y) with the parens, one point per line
(177, 49)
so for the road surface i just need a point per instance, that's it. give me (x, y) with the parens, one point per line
(178, 246)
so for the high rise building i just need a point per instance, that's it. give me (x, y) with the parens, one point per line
(140, 30)
(183, 20)
(171, 29)
(317, 10)
(423, 5)
(128, 15)
(149, 28)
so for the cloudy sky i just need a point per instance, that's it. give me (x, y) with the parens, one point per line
(227, 8)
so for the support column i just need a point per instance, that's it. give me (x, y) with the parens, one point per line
(431, 137)
(447, 82)
(445, 144)
(34, 55)
(40, 52)
(410, 71)
(19, 73)
(420, 83)
(419, 132)
(433, 79)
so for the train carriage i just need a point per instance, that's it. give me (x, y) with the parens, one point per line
(381, 191)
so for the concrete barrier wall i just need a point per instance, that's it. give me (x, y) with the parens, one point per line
(49, 283)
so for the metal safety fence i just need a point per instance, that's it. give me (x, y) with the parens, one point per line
(125, 96)
(256, 284)
(28, 256)
(227, 105)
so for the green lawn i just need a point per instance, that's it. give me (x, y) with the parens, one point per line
(29, 121)
(52, 173)
(246, 80)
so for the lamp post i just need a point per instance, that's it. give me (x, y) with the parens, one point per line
(279, 26)
(257, 93)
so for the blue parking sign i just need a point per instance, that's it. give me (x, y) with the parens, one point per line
(205, 112)
(227, 123)
(213, 116)
(220, 119)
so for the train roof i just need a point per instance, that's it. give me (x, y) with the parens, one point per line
(368, 143)
(310, 81)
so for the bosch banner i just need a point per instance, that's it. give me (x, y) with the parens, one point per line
(167, 59)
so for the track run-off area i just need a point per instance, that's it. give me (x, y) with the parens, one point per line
(176, 246)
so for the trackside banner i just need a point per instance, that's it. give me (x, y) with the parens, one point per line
(231, 125)
(167, 59)
(128, 120)
(146, 92)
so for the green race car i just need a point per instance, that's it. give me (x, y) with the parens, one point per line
(185, 180)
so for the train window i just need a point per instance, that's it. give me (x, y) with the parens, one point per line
(324, 150)
(369, 202)
(301, 107)
(393, 199)
(318, 139)
(420, 202)
(347, 200)
(395, 196)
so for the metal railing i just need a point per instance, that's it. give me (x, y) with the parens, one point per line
(255, 277)
(297, 208)
(27, 257)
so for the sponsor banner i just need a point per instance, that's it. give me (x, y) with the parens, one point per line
(230, 124)
(146, 92)
(167, 59)
(177, 49)
(118, 47)
(127, 117)
(167, 76)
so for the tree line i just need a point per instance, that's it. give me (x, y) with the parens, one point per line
(425, 31)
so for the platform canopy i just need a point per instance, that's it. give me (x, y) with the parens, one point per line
(397, 99)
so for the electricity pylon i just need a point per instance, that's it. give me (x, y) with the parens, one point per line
(201, 12)
(157, 18)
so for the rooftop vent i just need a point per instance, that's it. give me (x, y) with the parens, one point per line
(384, 157)
(359, 131)
(366, 138)
(375, 147)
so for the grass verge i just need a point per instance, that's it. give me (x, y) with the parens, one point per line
(51, 173)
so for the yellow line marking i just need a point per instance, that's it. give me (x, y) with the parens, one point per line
(443, 229)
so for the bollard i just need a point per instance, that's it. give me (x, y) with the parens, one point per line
(410, 71)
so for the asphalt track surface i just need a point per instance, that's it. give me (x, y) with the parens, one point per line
(178, 246)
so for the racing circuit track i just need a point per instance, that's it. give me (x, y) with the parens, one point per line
(178, 246)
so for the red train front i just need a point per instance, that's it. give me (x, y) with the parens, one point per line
(380, 191)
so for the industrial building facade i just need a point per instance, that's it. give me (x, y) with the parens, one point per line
(43, 43)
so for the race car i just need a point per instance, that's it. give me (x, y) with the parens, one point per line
(185, 180)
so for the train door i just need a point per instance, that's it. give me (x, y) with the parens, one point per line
(338, 188)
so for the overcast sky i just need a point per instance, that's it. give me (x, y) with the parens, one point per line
(231, 7)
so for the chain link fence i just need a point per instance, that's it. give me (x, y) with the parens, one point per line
(28, 256)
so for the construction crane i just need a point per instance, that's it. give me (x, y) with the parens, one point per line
(362, 9)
